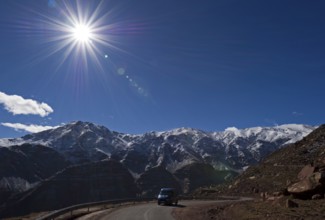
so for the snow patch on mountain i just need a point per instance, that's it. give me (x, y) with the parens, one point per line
(15, 184)
(6, 142)
(231, 149)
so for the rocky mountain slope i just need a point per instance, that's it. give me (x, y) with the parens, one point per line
(281, 168)
(21, 167)
(288, 184)
(91, 182)
(184, 158)
(35, 157)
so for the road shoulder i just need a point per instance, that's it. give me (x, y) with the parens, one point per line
(201, 212)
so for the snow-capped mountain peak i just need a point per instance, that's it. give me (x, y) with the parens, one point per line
(233, 148)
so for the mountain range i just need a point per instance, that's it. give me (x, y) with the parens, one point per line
(81, 142)
(185, 158)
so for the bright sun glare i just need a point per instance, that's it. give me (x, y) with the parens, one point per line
(82, 33)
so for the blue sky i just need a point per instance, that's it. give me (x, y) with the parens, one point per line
(156, 65)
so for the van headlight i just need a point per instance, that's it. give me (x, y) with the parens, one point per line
(162, 196)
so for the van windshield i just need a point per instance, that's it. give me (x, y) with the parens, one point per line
(167, 192)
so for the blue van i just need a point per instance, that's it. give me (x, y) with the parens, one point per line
(168, 196)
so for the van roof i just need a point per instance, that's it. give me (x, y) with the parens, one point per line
(168, 189)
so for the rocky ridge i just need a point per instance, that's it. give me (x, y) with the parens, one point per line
(25, 160)
(184, 158)
(233, 149)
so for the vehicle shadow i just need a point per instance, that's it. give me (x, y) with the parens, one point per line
(176, 206)
(179, 206)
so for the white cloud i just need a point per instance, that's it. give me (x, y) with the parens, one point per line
(29, 128)
(17, 105)
(234, 130)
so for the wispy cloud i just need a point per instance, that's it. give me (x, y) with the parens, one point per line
(29, 128)
(17, 105)
(297, 114)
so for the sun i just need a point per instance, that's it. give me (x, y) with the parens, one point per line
(82, 33)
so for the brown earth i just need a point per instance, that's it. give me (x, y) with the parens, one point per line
(272, 210)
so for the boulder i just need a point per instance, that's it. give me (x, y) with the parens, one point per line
(302, 186)
(306, 172)
(319, 177)
(309, 186)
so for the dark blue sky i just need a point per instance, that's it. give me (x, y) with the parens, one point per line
(162, 64)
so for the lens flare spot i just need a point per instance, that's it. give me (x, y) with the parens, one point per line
(121, 71)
